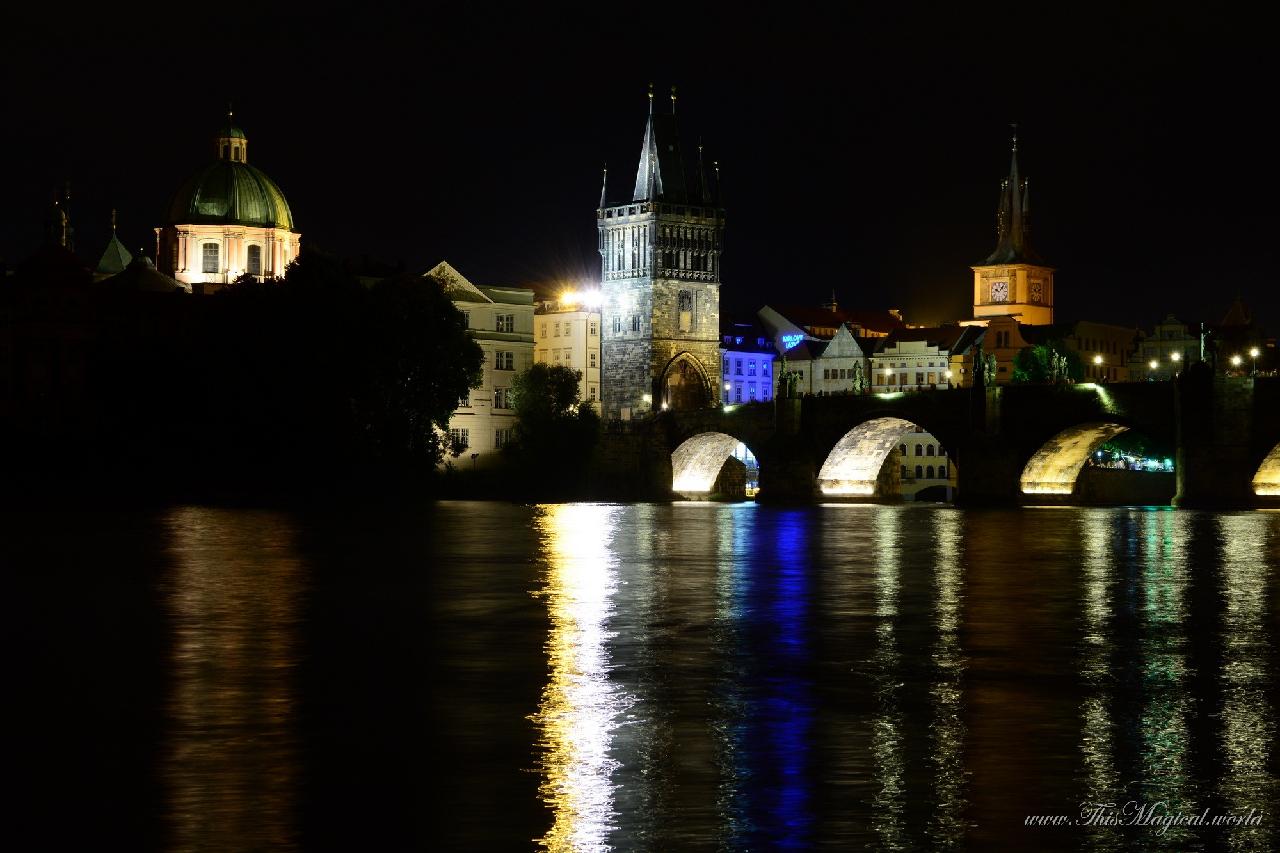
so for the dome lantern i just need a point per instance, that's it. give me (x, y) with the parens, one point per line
(232, 143)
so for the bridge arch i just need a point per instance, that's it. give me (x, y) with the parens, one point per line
(696, 463)
(853, 465)
(686, 384)
(1266, 480)
(1053, 469)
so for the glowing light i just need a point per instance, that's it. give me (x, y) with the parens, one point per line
(648, 398)
(1235, 360)
(727, 386)
(1054, 467)
(890, 395)
(789, 341)
(586, 298)
(854, 463)
(581, 705)
(1253, 352)
(1153, 364)
(696, 463)
(1097, 359)
(948, 374)
(1177, 356)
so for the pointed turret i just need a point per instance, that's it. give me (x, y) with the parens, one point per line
(649, 173)
(1011, 218)
(116, 257)
(661, 172)
(604, 188)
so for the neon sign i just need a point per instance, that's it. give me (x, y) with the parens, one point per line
(789, 341)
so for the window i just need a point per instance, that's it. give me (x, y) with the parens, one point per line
(751, 391)
(893, 379)
(902, 448)
(502, 398)
(919, 472)
(685, 309)
(919, 378)
(568, 358)
(635, 322)
(460, 439)
(466, 319)
(928, 450)
(542, 329)
(504, 361)
(933, 377)
(737, 367)
(942, 472)
(928, 472)
(505, 322)
(591, 393)
(592, 356)
(253, 261)
(617, 324)
(209, 257)
(826, 373)
(557, 330)
(593, 329)
(465, 401)
(764, 368)
(751, 368)
(919, 450)
(737, 392)
(725, 371)
(502, 437)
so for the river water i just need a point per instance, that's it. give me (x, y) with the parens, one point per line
(463, 676)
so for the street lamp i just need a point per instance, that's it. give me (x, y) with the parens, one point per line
(1097, 366)
(1253, 354)
(1153, 364)
(1235, 360)
(1175, 357)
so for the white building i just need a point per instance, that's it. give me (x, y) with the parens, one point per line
(923, 359)
(567, 332)
(746, 364)
(925, 464)
(500, 319)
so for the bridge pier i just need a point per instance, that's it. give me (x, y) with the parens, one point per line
(1215, 457)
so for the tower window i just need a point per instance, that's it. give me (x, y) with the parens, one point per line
(209, 257)
(617, 324)
(635, 322)
(253, 261)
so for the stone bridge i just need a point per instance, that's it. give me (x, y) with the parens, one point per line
(1011, 444)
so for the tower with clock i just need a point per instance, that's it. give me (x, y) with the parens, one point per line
(1013, 281)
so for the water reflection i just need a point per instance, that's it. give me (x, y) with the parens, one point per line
(889, 802)
(946, 825)
(231, 766)
(581, 706)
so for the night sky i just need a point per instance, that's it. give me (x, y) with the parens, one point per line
(859, 155)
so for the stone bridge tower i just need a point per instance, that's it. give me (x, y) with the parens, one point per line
(660, 281)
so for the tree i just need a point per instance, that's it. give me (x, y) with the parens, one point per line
(554, 433)
(1050, 363)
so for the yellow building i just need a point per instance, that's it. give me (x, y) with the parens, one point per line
(1012, 281)
(567, 331)
(226, 220)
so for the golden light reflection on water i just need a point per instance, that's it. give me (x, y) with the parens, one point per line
(581, 707)
(946, 828)
(1102, 781)
(1249, 726)
(231, 758)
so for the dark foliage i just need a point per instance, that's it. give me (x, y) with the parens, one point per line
(555, 433)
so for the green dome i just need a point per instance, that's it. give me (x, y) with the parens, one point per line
(227, 192)
(230, 131)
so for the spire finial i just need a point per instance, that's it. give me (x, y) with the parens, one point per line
(604, 185)
(673, 100)
(1014, 127)
(113, 220)
(650, 99)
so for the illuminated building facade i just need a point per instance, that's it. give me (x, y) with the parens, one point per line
(227, 219)
(925, 359)
(567, 332)
(660, 273)
(746, 365)
(1013, 281)
(500, 320)
(924, 467)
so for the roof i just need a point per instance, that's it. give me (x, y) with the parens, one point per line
(952, 338)
(142, 275)
(456, 286)
(875, 321)
(115, 258)
(806, 350)
(228, 192)
(661, 174)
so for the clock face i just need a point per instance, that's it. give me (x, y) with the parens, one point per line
(1037, 291)
(1000, 291)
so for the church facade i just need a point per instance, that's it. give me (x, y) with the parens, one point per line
(660, 282)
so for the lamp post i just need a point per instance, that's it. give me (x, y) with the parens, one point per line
(1175, 357)
(1235, 360)
(1097, 366)
(1153, 364)
(1253, 354)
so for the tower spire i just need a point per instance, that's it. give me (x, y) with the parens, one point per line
(604, 186)
(705, 194)
(1011, 215)
(649, 174)
(673, 100)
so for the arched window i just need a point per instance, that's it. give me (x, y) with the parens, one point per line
(919, 450)
(902, 448)
(942, 472)
(253, 262)
(929, 473)
(919, 472)
(928, 450)
(209, 257)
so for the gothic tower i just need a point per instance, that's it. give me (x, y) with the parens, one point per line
(1013, 281)
(660, 281)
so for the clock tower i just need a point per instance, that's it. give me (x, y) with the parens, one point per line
(1013, 281)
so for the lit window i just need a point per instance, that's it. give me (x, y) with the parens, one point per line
(751, 368)
(504, 361)
(505, 322)
(593, 330)
(751, 390)
(737, 392)
(209, 257)
(502, 398)
(253, 261)
(737, 367)
(764, 368)
(460, 439)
